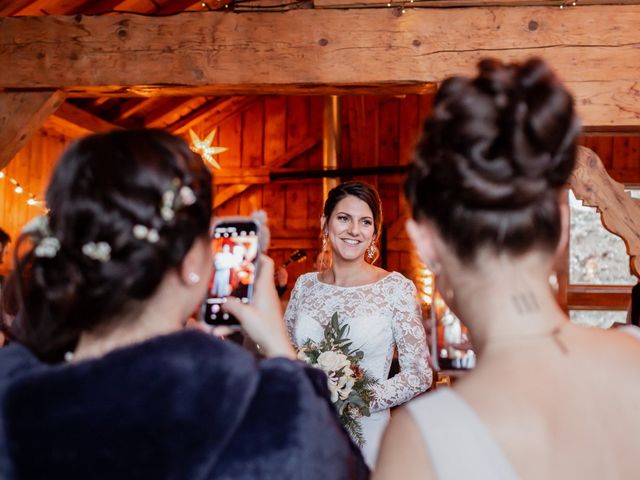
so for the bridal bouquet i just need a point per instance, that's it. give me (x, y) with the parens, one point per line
(350, 386)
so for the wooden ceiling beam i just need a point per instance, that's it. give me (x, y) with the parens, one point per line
(21, 115)
(326, 51)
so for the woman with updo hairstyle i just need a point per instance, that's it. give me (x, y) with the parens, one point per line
(380, 308)
(102, 381)
(548, 399)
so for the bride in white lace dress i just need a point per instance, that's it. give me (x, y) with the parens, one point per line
(380, 308)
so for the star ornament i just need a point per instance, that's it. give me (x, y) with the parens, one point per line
(204, 148)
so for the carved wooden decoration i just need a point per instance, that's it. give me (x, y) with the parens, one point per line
(619, 212)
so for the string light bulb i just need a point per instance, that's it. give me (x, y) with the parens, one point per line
(19, 189)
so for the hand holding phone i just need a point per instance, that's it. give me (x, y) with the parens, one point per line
(262, 319)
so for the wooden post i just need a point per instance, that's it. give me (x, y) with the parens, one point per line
(21, 115)
(330, 141)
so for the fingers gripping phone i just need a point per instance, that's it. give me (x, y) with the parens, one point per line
(235, 247)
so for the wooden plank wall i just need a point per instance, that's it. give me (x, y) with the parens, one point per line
(32, 167)
(259, 134)
(381, 131)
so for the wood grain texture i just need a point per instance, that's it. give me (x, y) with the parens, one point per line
(316, 50)
(21, 115)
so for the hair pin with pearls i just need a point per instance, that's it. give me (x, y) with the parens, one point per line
(174, 199)
(100, 251)
(142, 232)
(46, 244)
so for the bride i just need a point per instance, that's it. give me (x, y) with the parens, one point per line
(380, 308)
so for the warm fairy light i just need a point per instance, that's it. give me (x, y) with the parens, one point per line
(424, 283)
(204, 148)
(19, 189)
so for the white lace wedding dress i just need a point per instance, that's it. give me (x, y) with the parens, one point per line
(380, 315)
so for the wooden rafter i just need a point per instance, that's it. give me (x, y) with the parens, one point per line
(75, 122)
(12, 7)
(21, 115)
(159, 116)
(213, 112)
(133, 106)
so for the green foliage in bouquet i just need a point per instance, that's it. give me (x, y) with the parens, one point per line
(350, 386)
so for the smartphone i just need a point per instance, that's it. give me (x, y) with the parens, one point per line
(451, 345)
(235, 247)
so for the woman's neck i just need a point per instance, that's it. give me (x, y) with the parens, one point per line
(350, 273)
(508, 302)
(160, 315)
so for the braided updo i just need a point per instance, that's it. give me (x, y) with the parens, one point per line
(102, 188)
(492, 158)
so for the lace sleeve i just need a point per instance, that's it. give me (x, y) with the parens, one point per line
(291, 313)
(415, 374)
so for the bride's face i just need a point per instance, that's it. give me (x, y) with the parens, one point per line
(350, 228)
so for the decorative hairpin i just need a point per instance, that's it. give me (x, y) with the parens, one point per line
(100, 251)
(177, 197)
(142, 232)
(46, 244)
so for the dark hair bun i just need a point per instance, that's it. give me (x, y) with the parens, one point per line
(496, 148)
(103, 186)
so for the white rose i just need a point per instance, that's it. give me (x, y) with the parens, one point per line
(331, 361)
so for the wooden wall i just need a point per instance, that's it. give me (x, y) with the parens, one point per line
(32, 167)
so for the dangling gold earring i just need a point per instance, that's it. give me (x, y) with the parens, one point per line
(325, 242)
(371, 251)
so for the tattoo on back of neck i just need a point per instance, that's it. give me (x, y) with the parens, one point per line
(525, 303)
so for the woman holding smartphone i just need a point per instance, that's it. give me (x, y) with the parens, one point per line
(547, 399)
(380, 308)
(103, 382)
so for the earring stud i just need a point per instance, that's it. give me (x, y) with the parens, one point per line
(194, 278)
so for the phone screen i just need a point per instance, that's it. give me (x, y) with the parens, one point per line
(452, 348)
(235, 252)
